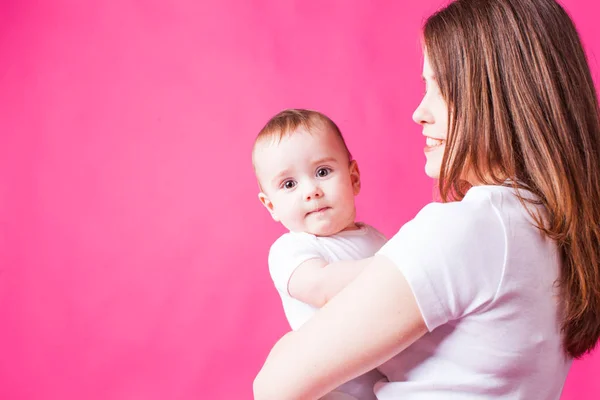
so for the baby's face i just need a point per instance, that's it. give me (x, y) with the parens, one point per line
(308, 182)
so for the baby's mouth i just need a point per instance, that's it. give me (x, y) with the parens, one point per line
(318, 210)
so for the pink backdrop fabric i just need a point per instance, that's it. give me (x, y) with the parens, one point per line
(132, 244)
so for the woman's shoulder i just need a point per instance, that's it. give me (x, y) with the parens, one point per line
(453, 254)
(483, 208)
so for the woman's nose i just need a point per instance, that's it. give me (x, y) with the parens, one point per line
(421, 115)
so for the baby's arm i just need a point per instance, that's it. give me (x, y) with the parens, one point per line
(315, 281)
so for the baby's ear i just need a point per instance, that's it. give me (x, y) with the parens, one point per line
(355, 177)
(268, 205)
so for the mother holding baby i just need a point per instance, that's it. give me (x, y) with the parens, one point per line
(491, 293)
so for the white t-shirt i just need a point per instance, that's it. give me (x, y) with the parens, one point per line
(293, 248)
(484, 279)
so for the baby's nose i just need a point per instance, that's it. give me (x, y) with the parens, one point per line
(313, 192)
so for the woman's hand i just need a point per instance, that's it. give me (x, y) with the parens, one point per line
(371, 320)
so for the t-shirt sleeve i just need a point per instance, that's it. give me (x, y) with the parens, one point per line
(453, 258)
(287, 253)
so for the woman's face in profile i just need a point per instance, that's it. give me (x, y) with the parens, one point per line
(432, 115)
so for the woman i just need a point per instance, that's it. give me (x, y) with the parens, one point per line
(491, 293)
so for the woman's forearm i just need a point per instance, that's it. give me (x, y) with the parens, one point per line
(371, 320)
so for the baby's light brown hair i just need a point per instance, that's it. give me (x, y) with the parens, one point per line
(288, 121)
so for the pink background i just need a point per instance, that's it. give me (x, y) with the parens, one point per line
(132, 245)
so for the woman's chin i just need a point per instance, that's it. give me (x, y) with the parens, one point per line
(432, 171)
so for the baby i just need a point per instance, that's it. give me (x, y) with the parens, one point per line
(308, 182)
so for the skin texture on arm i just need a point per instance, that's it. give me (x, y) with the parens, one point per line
(374, 318)
(316, 282)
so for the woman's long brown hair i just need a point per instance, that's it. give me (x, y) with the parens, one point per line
(523, 109)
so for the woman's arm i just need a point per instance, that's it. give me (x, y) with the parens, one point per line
(374, 318)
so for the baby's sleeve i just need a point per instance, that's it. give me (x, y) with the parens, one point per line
(287, 253)
(452, 257)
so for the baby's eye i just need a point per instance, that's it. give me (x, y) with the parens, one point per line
(289, 184)
(323, 172)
